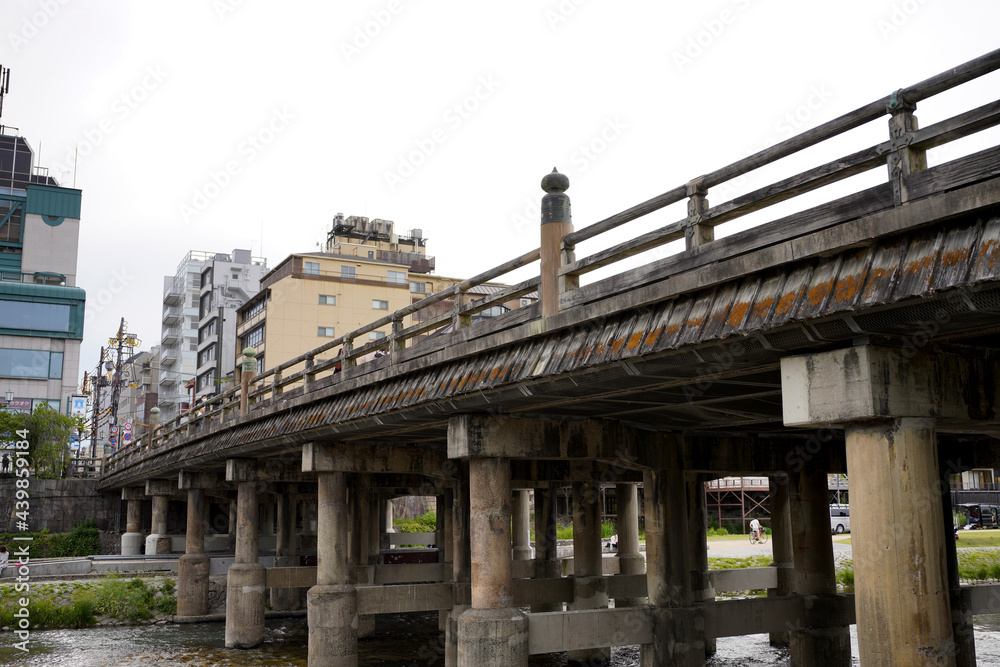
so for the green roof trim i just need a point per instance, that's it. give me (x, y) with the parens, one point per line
(72, 297)
(53, 204)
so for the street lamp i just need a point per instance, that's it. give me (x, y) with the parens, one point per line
(10, 396)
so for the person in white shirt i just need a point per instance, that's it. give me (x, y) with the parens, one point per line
(4, 556)
(755, 527)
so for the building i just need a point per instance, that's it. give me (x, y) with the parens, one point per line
(41, 308)
(139, 394)
(365, 271)
(199, 306)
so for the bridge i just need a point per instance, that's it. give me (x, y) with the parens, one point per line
(857, 334)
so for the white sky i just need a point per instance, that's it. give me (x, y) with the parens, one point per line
(157, 96)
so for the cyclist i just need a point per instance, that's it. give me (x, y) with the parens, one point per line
(756, 529)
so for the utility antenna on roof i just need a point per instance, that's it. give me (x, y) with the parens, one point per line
(4, 84)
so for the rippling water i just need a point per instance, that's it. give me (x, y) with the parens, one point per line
(404, 640)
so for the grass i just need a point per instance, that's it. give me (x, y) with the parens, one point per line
(761, 560)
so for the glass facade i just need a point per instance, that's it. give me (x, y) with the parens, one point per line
(35, 364)
(33, 316)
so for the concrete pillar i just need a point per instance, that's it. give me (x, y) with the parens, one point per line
(492, 631)
(814, 573)
(547, 565)
(192, 569)
(385, 512)
(333, 601)
(701, 585)
(961, 613)
(781, 546)
(630, 560)
(442, 539)
(367, 545)
(461, 563)
(521, 515)
(232, 525)
(589, 591)
(285, 599)
(678, 630)
(132, 539)
(901, 578)
(158, 542)
(245, 580)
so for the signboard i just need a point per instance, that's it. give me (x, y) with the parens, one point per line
(114, 430)
(19, 404)
(112, 441)
(126, 437)
(128, 426)
(78, 405)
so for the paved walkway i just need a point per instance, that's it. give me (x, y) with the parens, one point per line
(742, 548)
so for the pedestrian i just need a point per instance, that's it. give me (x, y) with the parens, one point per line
(4, 556)
(5, 464)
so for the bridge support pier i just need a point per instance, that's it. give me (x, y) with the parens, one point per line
(362, 512)
(385, 519)
(781, 546)
(461, 564)
(630, 561)
(158, 542)
(521, 512)
(889, 404)
(678, 627)
(492, 631)
(589, 590)
(132, 539)
(547, 565)
(333, 601)
(285, 599)
(193, 567)
(702, 588)
(814, 573)
(245, 579)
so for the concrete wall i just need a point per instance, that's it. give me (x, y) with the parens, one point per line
(57, 505)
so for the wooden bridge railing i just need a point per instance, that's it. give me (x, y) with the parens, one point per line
(904, 155)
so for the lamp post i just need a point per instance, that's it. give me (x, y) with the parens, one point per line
(10, 397)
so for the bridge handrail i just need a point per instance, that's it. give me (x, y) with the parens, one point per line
(272, 382)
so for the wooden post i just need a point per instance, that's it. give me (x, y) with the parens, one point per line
(248, 371)
(696, 233)
(557, 222)
(902, 160)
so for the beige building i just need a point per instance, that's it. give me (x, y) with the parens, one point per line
(364, 272)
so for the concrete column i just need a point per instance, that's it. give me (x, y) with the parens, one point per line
(385, 511)
(461, 563)
(367, 546)
(547, 565)
(245, 580)
(493, 631)
(814, 574)
(701, 585)
(961, 614)
(132, 539)
(442, 539)
(901, 578)
(285, 599)
(589, 591)
(158, 542)
(232, 524)
(521, 514)
(374, 527)
(192, 569)
(781, 546)
(678, 630)
(333, 601)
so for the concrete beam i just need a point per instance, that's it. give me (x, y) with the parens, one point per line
(542, 591)
(552, 632)
(408, 574)
(343, 457)
(258, 470)
(744, 579)
(203, 479)
(543, 473)
(734, 618)
(134, 493)
(423, 539)
(163, 487)
(405, 598)
(290, 577)
(871, 382)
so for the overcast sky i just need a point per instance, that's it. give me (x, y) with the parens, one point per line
(222, 124)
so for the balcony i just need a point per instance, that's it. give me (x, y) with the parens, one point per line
(172, 315)
(169, 356)
(170, 336)
(173, 295)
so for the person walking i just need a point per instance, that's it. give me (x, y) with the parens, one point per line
(5, 463)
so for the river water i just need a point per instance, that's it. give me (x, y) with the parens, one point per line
(403, 640)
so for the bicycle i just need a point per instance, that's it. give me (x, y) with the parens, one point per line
(758, 538)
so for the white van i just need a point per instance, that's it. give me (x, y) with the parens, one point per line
(840, 519)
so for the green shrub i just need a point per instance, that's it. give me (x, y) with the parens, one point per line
(83, 540)
(845, 574)
(717, 532)
(608, 528)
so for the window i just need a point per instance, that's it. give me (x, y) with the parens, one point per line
(376, 335)
(207, 330)
(371, 254)
(326, 332)
(347, 272)
(378, 304)
(31, 364)
(420, 288)
(205, 306)
(34, 316)
(206, 355)
(206, 277)
(206, 380)
(397, 277)
(310, 268)
(254, 337)
(328, 299)
(253, 310)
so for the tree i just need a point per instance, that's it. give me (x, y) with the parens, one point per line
(48, 435)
